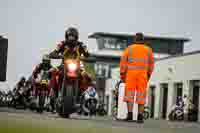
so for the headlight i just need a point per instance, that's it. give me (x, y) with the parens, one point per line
(72, 67)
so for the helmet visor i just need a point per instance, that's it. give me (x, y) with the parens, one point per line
(71, 37)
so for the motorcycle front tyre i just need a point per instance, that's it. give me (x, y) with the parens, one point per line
(41, 104)
(146, 115)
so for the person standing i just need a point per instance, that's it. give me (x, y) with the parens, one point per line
(136, 67)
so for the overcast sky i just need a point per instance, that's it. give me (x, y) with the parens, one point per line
(35, 25)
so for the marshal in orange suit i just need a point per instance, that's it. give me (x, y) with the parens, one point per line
(136, 67)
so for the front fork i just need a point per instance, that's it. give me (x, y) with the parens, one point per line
(74, 84)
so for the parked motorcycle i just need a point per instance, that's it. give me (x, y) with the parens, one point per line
(177, 113)
(3, 98)
(89, 101)
(114, 112)
(192, 112)
(9, 99)
(115, 103)
(101, 109)
(146, 114)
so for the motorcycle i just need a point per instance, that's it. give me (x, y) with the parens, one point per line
(33, 103)
(3, 100)
(114, 112)
(9, 100)
(42, 86)
(115, 103)
(177, 113)
(68, 101)
(19, 99)
(101, 110)
(50, 106)
(89, 101)
(191, 112)
(146, 114)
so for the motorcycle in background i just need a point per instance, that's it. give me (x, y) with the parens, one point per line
(19, 99)
(192, 112)
(177, 113)
(89, 101)
(101, 109)
(115, 102)
(146, 113)
(42, 88)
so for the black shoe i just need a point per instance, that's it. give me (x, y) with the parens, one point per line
(129, 117)
(140, 118)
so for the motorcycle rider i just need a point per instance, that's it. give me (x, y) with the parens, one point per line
(28, 87)
(72, 44)
(20, 86)
(19, 90)
(21, 83)
(44, 66)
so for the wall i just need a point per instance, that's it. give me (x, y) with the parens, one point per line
(177, 69)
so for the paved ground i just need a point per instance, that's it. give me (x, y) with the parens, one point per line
(95, 124)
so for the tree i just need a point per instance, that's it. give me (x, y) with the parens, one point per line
(89, 67)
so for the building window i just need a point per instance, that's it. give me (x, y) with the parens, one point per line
(111, 43)
(102, 70)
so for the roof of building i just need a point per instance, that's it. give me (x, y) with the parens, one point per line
(180, 55)
(120, 35)
(158, 59)
(3, 37)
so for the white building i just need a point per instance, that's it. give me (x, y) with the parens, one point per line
(173, 76)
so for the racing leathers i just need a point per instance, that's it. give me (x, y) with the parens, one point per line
(75, 50)
(36, 81)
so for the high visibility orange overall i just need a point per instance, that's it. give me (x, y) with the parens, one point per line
(136, 66)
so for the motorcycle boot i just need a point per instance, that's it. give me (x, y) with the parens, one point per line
(129, 117)
(140, 118)
(61, 76)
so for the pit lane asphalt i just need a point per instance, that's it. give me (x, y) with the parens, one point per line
(154, 126)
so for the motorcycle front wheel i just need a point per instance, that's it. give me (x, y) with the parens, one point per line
(114, 112)
(171, 116)
(66, 101)
(180, 118)
(146, 115)
(41, 104)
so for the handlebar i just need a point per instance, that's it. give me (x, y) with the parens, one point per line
(56, 57)
(62, 57)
